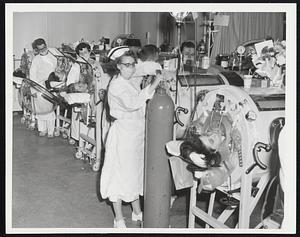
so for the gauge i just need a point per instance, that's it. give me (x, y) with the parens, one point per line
(240, 49)
(119, 41)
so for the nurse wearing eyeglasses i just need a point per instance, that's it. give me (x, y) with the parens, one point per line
(123, 169)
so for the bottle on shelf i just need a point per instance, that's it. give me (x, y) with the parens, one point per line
(201, 47)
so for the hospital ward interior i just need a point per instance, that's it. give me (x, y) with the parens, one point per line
(148, 120)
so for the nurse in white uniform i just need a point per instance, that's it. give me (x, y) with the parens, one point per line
(123, 169)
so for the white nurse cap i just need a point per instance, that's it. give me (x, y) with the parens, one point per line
(117, 52)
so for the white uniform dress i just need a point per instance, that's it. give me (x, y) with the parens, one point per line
(40, 69)
(123, 170)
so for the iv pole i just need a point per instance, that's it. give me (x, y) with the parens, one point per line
(209, 37)
(179, 17)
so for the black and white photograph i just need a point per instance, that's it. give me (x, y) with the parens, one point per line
(150, 118)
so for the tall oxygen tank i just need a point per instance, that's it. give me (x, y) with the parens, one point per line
(157, 180)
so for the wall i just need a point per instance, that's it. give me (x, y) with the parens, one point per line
(142, 22)
(64, 27)
(67, 27)
(162, 27)
(27, 27)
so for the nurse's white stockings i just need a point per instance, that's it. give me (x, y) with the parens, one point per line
(118, 209)
(136, 207)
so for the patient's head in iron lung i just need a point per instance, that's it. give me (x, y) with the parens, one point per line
(206, 145)
(78, 87)
(188, 52)
(205, 151)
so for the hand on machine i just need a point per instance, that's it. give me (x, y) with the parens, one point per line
(156, 80)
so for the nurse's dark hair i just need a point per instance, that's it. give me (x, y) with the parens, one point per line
(81, 46)
(148, 51)
(37, 42)
(187, 44)
(193, 143)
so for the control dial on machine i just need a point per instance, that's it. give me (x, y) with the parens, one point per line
(241, 49)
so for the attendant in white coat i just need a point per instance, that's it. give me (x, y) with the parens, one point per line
(42, 65)
(123, 169)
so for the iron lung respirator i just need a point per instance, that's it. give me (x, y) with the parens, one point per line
(244, 122)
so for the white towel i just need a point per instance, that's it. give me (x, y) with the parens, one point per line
(173, 147)
(17, 80)
(73, 98)
(56, 84)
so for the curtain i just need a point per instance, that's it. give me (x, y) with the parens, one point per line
(245, 26)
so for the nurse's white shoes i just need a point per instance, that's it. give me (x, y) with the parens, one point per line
(138, 217)
(173, 198)
(119, 223)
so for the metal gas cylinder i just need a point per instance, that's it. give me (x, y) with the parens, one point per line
(157, 180)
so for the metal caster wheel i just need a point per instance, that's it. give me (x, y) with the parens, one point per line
(31, 126)
(88, 146)
(56, 133)
(79, 155)
(64, 135)
(96, 166)
(23, 120)
(72, 141)
(92, 160)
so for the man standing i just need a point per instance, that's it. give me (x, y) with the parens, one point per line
(42, 65)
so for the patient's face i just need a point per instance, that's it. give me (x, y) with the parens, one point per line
(188, 54)
(84, 53)
(42, 49)
(212, 140)
(81, 87)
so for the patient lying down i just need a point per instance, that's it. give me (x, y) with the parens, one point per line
(77, 87)
(77, 93)
(202, 149)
